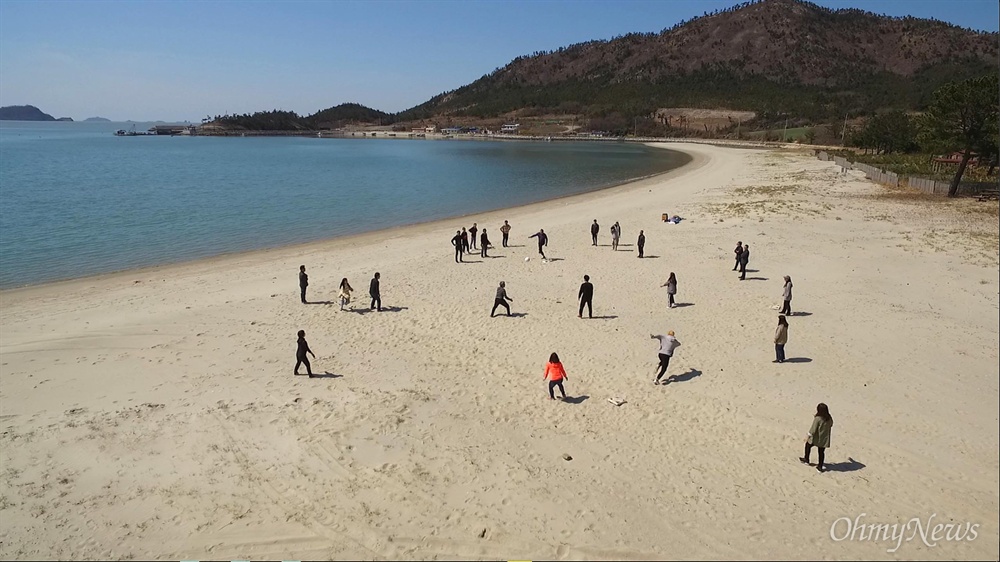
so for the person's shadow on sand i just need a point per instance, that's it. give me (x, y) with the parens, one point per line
(850, 466)
(327, 375)
(692, 373)
(575, 399)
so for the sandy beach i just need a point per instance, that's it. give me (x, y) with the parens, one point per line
(153, 414)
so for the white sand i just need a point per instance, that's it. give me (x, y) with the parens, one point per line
(153, 414)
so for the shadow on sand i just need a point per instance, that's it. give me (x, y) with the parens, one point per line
(692, 373)
(575, 399)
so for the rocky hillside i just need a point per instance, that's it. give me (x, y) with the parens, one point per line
(771, 56)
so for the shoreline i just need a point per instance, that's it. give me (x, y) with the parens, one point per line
(361, 237)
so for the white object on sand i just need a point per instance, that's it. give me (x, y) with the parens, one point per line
(527, 258)
(615, 401)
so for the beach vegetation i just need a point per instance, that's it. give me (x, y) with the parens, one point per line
(963, 116)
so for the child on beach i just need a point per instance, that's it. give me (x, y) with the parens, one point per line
(780, 339)
(819, 435)
(345, 293)
(786, 296)
(303, 282)
(501, 299)
(300, 355)
(555, 373)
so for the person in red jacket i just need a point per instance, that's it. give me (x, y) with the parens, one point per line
(555, 374)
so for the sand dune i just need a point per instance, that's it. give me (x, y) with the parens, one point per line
(153, 414)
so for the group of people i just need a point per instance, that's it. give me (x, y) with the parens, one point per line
(345, 290)
(555, 373)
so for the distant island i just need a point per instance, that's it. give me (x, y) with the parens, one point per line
(101, 119)
(70, 119)
(25, 113)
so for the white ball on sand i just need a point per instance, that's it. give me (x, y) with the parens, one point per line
(527, 258)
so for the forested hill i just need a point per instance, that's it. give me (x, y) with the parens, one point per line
(771, 56)
(276, 120)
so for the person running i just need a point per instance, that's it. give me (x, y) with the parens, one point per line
(594, 229)
(555, 373)
(472, 235)
(543, 240)
(744, 260)
(484, 244)
(345, 293)
(616, 233)
(738, 251)
(668, 344)
(786, 307)
(641, 242)
(501, 299)
(465, 240)
(586, 296)
(300, 355)
(819, 435)
(671, 286)
(780, 339)
(505, 230)
(375, 293)
(303, 282)
(459, 245)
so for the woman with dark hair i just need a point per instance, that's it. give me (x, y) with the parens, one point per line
(786, 295)
(780, 339)
(819, 435)
(671, 286)
(345, 293)
(555, 373)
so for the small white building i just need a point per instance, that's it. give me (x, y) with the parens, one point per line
(510, 128)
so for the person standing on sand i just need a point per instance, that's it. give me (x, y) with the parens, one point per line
(505, 230)
(459, 245)
(501, 299)
(616, 233)
(739, 252)
(484, 244)
(300, 355)
(555, 373)
(819, 435)
(472, 235)
(375, 293)
(744, 260)
(786, 307)
(465, 241)
(594, 229)
(345, 293)
(780, 339)
(668, 344)
(671, 286)
(543, 240)
(586, 296)
(303, 282)
(641, 242)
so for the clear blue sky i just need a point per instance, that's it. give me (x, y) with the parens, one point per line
(176, 60)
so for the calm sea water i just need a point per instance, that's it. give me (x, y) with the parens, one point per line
(76, 200)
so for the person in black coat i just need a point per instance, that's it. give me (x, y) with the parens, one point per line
(373, 292)
(300, 355)
(484, 244)
(594, 229)
(303, 282)
(641, 242)
(465, 240)
(586, 296)
(738, 251)
(744, 260)
(459, 246)
(543, 240)
(472, 235)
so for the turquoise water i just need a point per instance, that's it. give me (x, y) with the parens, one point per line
(76, 200)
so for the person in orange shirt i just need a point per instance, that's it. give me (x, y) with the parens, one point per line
(555, 373)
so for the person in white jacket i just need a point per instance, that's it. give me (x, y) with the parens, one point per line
(668, 344)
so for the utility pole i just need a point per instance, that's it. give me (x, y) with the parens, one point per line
(784, 132)
(843, 134)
